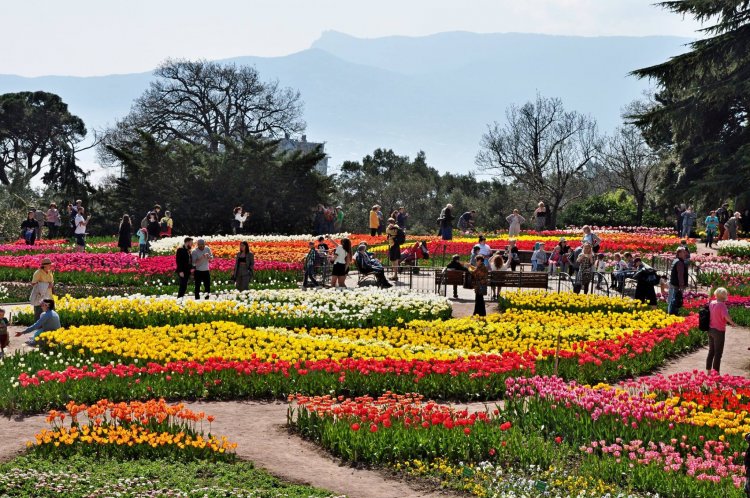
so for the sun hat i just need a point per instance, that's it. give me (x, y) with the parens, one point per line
(45, 261)
(200, 241)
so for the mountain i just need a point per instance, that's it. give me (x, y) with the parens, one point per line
(434, 93)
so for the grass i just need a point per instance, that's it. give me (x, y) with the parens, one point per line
(28, 476)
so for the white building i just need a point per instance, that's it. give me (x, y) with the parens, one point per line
(291, 145)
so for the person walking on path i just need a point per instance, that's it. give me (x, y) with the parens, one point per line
(586, 263)
(446, 222)
(48, 321)
(732, 225)
(184, 260)
(479, 278)
(374, 221)
(342, 260)
(678, 281)
(125, 234)
(540, 217)
(244, 266)
(80, 231)
(309, 266)
(688, 219)
(53, 221)
(723, 214)
(42, 286)
(712, 226)
(717, 329)
(514, 221)
(202, 257)
(29, 228)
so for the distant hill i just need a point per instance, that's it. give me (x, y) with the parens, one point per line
(434, 93)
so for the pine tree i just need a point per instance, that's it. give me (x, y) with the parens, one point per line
(702, 110)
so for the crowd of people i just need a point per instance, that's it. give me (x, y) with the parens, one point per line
(466, 223)
(720, 224)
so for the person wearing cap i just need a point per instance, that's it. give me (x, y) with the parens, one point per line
(394, 248)
(42, 284)
(338, 225)
(732, 225)
(723, 214)
(48, 321)
(202, 256)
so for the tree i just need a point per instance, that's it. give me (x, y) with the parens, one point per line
(543, 148)
(36, 130)
(208, 103)
(633, 164)
(703, 101)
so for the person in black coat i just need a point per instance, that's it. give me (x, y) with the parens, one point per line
(184, 265)
(153, 227)
(125, 234)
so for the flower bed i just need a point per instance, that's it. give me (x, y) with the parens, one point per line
(734, 248)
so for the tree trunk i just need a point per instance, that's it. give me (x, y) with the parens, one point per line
(640, 200)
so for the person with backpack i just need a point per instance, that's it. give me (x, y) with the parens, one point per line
(165, 225)
(719, 318)
(396, 236)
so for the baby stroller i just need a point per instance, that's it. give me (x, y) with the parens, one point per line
(412, 255)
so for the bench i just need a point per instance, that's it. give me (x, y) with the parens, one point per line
(520, 280)
(448, 277)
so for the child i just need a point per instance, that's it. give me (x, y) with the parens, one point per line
(718, 326)
(474, 254)
(538, 257)
(554, 260)
(601, 267)
(142, 243)
(4, 337)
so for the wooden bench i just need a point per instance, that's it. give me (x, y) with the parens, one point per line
(448, 277)
(517, 279)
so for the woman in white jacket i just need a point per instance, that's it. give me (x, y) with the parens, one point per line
(515, 221)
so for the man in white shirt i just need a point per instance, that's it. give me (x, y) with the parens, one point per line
(484, 249)
(80, 229)
(202, 255)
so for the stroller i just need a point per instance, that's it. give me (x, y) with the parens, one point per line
(412, 255)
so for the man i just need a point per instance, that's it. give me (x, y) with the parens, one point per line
(40, 217)
(733, 225)
(308, 263)
(367, 264)
(401, 217)
(202, 256)
(678, 281)
(484, 249)
(80, 230)
(184, 262)
(466, 221)
(339, 223)
(723, 214)
(688, 219)
(48, 321)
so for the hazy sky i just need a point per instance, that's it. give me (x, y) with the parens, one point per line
(94, 37)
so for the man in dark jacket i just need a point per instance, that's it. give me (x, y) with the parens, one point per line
(184, 265)
(678, 281)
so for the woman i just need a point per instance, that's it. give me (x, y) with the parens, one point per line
(446, 222)
(540, 217)
(515, 220)
(165, 225)
(497, 263)
(125, 234)
(29, 228)
(646, 279)
(394, 248)
(712, 227)
(42, 284)
(244, 266)
(374, 220)
(511, 254)
(53, 221)
(153, 227)
(586, 264)
(238, 220)
(589, 237)
(342, 259)
(479, 278)
(732, 225)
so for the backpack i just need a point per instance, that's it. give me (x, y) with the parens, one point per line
(704, 318)
(400, 237)
(597, 243)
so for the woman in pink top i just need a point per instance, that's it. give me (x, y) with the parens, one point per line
(717, 328)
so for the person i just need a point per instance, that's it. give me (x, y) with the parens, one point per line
(393, 232)
(374, 220)
(538, 257)
(157, 211)
(645, 280)
(732, 226)
(381, 221)
(413, 254)
(618, 269)
(678, 281)
(401, 217)
(72, 212)
(723, 214)
(48, 321)
(184, 260)
(446, 222)
(601, 267)
(42, 286)
(479, 278)
(329, 219)
(244, 266)
(684, 245)
(484, 248)
(53, 221)
(165, 225)
(153, 228)
(80, 230)
(342, 259)
(585, 262)
(688, 219)
(564, 255)
(308, 264)
(497, 263)
(511, 254)
(4, 336)
(466, 221)
(514, 221)
(143, 247)
(338, 225)
(368, 264)
(717, 329)
(540, 217)
(475, 253)
(456, 264)
(125, 234)
(589, 237)
(712, 227)
(238, 220)
(29, 228)
(554, 260)
(202, 257)
(678, 219)
(40, 218)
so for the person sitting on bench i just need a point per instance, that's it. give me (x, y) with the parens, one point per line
(368, 265)
(456, 264)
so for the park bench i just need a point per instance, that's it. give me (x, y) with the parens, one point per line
(448, 277)
(517, 279)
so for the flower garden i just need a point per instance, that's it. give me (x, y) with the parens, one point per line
(371, 376)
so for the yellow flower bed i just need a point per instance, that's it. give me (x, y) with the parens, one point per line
(514, 330)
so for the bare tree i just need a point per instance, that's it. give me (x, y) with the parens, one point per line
(543, 148)
(632, 163)
(205, 103)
